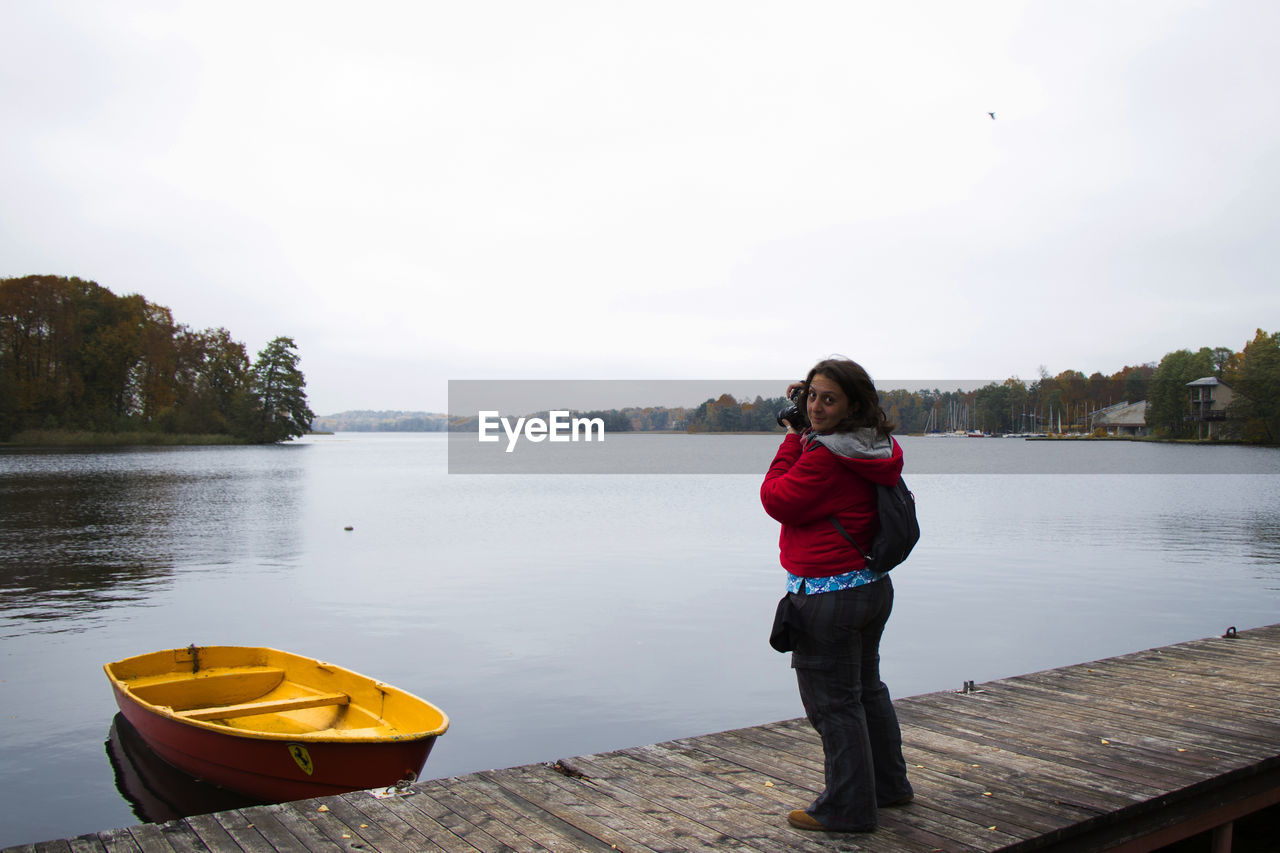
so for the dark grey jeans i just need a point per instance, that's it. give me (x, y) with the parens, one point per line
(837, 664)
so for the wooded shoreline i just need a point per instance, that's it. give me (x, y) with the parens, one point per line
(80, 439)
(76, 357)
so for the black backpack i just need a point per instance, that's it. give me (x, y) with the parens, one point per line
(899, 528)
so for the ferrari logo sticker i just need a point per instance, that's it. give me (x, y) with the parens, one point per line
(302, 758)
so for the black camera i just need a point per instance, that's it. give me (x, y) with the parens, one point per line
(794, 414)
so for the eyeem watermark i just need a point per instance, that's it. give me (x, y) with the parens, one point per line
(558, 426)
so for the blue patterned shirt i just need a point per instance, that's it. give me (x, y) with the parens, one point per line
(848, 580)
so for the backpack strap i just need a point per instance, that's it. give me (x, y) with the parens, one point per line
(840, 527)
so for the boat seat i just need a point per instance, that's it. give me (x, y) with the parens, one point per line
(270, 706)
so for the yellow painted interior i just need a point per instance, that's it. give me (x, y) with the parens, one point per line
(269, 693)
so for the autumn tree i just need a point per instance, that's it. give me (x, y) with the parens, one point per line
(1255, 380)
(70, 348)
(1167, 398)
(158, 383)
(74, 355)
(8, 405)
(221, 377)
(1136, 382)
(275, 407)
(998, 407)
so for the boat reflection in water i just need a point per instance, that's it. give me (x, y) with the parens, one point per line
(156, 790)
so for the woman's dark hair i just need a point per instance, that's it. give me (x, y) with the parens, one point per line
(864, 402)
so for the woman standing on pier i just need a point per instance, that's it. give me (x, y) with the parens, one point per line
(830, 470)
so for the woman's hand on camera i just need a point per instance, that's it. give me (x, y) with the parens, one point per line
(794, 387)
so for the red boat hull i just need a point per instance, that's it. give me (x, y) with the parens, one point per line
(271, 769)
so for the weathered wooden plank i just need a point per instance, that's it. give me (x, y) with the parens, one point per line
(261, 820)
(802, 771)
(351, 823)
(967, 760)
(800, 750)
(176, 836)
(1243, 687)
(60, 845)
(1155, 824)
(1158, 736)
(478, 828)
(250, 837)
(748, 826)
(467, 797)
(1242, 690)
(1203, 657)
(1245, 642)
(1028, 739)
(618, 817)
(1248, 671)
(649, 823)
(300, 825)
(284, 830)
(771, 795)
(1168, 698)
(181, 837)
(546, 828)
(763, 827)
(955, 759)
(1147, 716)
(653, 816)
(1207, 654)
(594, 822)
(1023, 704)
(1024, 804)
(150, 839)
(965, 801)
(86, 844)
(1244, 694)
(1150, 700)
(119, 841)
(737, 746)
(731, 774)
(1091, 756)
(417, 828)
(775, 797)
(1023, 812)
(993, 786)
(211, 833)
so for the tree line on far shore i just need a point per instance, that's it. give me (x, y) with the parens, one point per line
(1063, 403)
(1068, 401)
(76, 357)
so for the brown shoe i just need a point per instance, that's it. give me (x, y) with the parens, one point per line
(801, 819)
(899, 802)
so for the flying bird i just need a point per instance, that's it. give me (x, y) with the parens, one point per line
(993, 116)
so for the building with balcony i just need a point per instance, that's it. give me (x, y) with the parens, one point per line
(1209, 399)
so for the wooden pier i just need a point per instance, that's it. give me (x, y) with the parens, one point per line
(1129, 753)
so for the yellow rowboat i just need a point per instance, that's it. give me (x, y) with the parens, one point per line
(274, 725)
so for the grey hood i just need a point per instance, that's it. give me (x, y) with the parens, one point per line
(862, 443)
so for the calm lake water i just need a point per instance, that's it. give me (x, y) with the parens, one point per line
(557, 615)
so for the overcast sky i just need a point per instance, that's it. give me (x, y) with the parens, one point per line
(425, 191)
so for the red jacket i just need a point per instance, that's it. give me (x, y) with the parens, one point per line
(828, 475)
